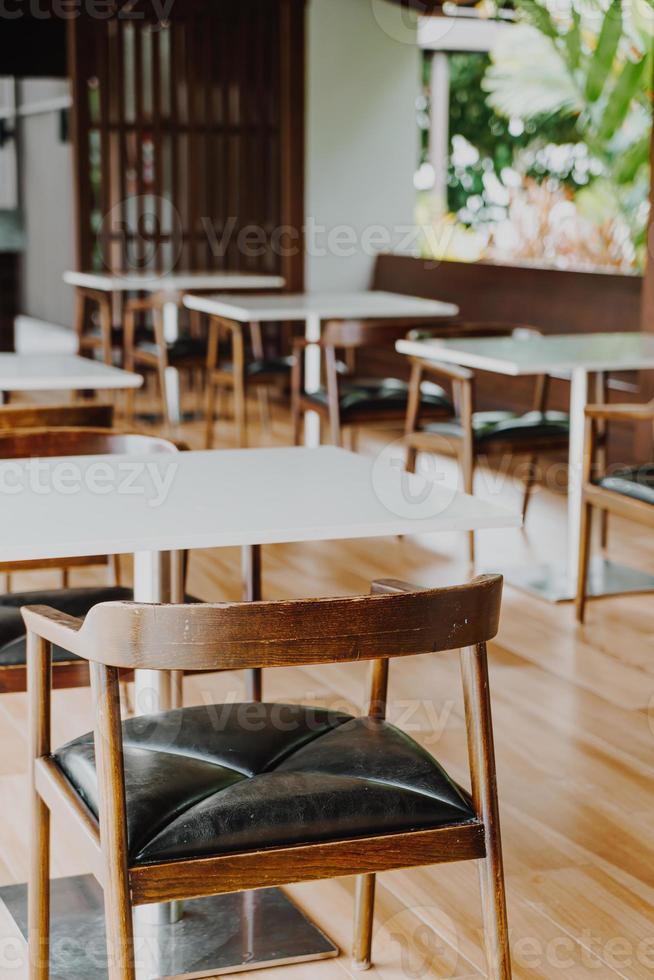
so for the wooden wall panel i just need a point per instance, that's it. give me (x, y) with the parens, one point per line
(189, 136)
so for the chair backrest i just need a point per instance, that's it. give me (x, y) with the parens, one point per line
(96, 415)
(242, 635)
(79, 442)
(475, 328)
(352, 334)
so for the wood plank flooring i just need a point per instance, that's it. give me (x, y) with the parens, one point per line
(574, 722)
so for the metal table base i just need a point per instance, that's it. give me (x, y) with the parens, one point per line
(216, 936)
(552, 582)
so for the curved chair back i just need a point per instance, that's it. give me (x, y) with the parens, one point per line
(97, 415)
(79, 442)
(246, 635)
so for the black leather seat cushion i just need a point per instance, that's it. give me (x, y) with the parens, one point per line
(185, 347)
(75, 602)
(636, 482)
(383, 395)
(228, 778)
(263, 365)
(490, 426)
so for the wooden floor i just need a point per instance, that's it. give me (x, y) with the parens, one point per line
(574, 722)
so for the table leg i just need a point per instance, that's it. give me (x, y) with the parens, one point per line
(171, 334)
(578, 402)
(154, 579)
(251, 575)
(312, 370)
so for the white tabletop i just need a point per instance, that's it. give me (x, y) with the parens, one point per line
(299, 306)
(171, 282)
(540, 355)
(61, 372)
(75, 506)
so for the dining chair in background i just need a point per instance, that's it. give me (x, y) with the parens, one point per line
(347, 401)
(51, 442)
(626, 492)
(249, 802)
(470, 434)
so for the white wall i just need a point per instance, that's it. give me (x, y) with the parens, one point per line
(47, 199)
(363, 68)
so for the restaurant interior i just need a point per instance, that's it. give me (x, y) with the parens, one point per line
(326, 489)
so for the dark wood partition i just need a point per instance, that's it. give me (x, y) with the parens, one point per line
(189, 136)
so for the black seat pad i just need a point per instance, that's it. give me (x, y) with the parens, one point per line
(178, 350)
(636, 482)
(228, 778)
(489, 426)
(262, 365)
(75, 602)
(383, 394)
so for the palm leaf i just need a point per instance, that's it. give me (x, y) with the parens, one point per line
(626, 88)
(572, 40)
(528, 77)
(601, 62)
(632, 160)
(539, 17)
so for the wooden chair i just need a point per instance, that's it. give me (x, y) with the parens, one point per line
(149, 349)
(392, 807)
(628, 492)
(470, 434)
(62, 441)
(349, 401)
(91, 336)
(230, 369)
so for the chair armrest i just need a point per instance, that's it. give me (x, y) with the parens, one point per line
(625, 413)
(54, 626)
(452, 371)
(393, 586)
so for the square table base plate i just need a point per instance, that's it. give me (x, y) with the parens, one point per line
(551, 581)
(216, 936)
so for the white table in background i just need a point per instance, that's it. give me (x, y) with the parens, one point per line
(218, 499)
(313, 309)
(170, 287)
(577, 356)
(61, 372)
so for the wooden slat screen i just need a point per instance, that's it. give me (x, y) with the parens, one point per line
(182, 131)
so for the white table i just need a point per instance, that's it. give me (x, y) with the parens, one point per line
(218, 499)
(169, 287)
(61, 372)
(313, 309)
(577, 356)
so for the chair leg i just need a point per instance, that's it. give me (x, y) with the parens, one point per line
(209, 410)
(493, 903)
(584, 560)
(240, 415)
(364, 912)
(529, 485)
(296, 422)
(39, 891)
(468, 470)
(604, 529)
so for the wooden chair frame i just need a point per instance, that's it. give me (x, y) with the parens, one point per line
(468, 449)
(135, 357)
(598, 498)
(63, 441)
(395, 621)
(346, 336)
(79, 414)
(87, 343)
(237, 380)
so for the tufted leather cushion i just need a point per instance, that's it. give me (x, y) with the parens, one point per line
(636, 482)
(75, 602)
(489, 426)
(227, 778)
(383, 394)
